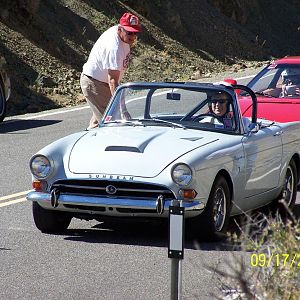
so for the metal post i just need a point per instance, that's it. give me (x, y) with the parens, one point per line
(175, 247)
(176, 278)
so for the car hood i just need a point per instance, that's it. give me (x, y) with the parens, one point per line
(134, 151)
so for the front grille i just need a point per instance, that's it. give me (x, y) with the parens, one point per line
(106, 188)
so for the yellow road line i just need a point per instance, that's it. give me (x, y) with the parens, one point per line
(12, 202)
(14, 195)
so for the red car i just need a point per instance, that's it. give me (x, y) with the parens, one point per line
(277, 88)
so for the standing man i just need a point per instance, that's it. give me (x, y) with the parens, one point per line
(107, 63)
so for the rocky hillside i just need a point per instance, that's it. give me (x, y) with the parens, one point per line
(47, 42)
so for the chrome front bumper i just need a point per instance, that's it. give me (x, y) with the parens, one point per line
(151, 204)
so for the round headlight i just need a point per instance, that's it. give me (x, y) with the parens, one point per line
(182, 174)
(40, 166)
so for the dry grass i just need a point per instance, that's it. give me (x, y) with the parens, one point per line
(271, 267)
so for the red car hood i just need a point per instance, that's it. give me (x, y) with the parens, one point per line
(273, 109)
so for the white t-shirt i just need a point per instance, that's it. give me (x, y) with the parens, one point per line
(109, 52)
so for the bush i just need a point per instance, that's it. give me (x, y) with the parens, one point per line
(271, 267)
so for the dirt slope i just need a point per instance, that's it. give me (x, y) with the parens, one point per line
(47, 42)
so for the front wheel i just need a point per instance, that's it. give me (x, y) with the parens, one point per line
(213, 222)
(50, 221)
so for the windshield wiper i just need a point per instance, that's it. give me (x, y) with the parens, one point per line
(154, 120)
(122, 122)
(139, 122)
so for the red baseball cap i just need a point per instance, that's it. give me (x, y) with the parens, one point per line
(231, 81)
(130, 22)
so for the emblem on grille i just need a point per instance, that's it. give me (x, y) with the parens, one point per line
(110, 189)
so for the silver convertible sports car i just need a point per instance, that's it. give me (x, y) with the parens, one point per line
(158, 142)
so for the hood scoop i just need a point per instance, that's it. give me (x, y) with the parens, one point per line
(123, 148)
(192, 139)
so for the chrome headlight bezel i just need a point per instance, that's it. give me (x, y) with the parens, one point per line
(182, 174)
(40, 166)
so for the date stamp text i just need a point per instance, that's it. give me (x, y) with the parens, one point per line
(275, 260)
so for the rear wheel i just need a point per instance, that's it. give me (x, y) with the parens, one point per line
(213, 222)
(288, 194)
(50, 221)
(2, 102)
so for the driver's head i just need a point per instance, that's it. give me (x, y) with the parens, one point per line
(290, 76)
(219, 103)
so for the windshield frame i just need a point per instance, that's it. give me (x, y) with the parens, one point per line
(153, 87)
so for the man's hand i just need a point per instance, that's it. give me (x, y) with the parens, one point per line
(113, 80)
(125, 115)
(123, 110)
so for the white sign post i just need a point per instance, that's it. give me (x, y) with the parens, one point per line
(176, 246)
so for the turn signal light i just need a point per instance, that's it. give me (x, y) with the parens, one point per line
(188, 194)
(39, 185)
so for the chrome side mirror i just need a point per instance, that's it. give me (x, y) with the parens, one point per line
(254, 127)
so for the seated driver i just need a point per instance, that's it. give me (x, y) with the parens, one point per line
(219, 106)
(290, 83)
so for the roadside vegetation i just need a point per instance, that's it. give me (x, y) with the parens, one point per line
(47, 42)
(271, 267)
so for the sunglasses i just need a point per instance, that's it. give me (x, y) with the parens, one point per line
(220, 101)
(129, 32)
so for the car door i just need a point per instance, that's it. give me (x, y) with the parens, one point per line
(263, 157)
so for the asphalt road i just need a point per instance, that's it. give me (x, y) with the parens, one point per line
(92, 260)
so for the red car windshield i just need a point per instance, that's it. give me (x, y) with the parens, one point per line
(277, 88)
(279, 81)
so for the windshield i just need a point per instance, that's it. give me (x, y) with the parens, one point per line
(177, 107)
(278, 81)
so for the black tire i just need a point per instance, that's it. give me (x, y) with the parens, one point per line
(2, 102)
(289, 192)
(213, 222)
(50, 221)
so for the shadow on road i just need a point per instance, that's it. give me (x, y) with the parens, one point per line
(120, 232)
(154, 234)
(139, 234)
(17, 125)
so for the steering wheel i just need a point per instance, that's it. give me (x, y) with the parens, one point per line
(201, 116)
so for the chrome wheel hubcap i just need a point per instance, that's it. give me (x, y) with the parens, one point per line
(287, 193)
(219, 210)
